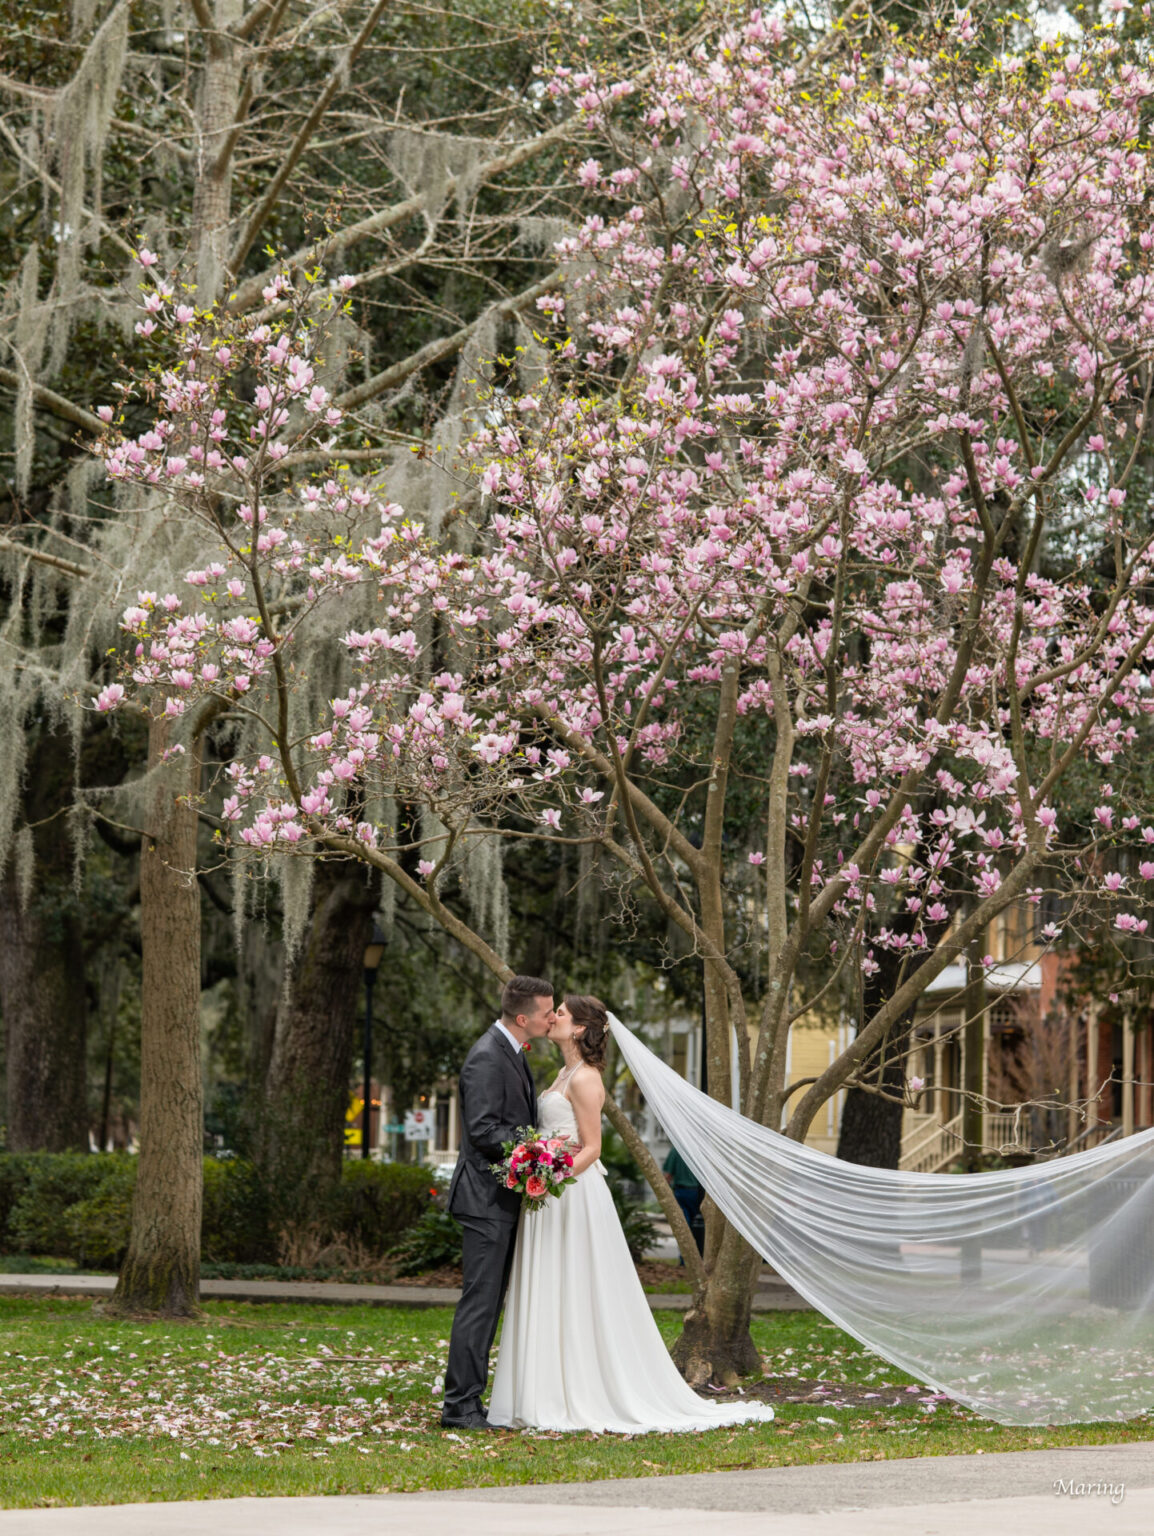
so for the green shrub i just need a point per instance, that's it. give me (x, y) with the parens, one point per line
(15, 1172)
(79, 1206)
(211, 1270)
(430, 1243)
(236, 1226)
(98, 1228)
(38, 1220)
(376, 1202)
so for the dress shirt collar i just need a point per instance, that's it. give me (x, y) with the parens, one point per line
(511, 1039)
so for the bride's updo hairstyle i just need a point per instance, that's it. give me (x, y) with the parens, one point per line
(591, 1012)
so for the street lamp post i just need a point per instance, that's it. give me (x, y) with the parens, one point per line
(374, 949)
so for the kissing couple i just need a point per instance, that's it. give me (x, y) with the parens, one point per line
(579, 1347)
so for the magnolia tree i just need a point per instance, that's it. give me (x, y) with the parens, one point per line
(823, 495)
(420, 146)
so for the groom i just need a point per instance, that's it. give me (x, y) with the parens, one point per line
(497, 1097)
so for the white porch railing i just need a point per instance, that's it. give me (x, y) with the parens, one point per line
(1006, 1131)
(930, 1145)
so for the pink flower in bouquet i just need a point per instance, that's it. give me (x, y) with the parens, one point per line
(545, 1160)
(535, 1186)
(511, 1181)
(519, 1157)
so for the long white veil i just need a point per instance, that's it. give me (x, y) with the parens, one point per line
(1027, 1293)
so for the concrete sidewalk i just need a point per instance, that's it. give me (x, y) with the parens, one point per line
(1104, 1489)
(775, 1294)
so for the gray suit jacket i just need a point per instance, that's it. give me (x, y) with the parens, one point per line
(496, 1098)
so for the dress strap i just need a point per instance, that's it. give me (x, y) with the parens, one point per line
(563, 1080)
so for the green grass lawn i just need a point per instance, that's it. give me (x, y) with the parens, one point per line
(287, 1399)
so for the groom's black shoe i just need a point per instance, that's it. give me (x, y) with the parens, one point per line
(474, 1420)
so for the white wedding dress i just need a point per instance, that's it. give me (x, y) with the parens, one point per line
(579, 1347)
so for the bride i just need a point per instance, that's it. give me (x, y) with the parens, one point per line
(579, 1347)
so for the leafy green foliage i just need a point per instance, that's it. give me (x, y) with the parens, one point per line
(98, 1228)
(236, 1225)
(433, 1241)
(376, 1202)
(79, 1207)
(39, 1190)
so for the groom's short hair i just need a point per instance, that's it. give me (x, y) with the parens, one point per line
(519, 993)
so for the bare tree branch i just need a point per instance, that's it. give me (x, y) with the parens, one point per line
(444, 346)
(205, 20)
(267, 8)
(69, 567)
(57, 404)
(306, 131)
(249, 291)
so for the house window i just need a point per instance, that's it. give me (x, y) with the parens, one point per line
(1005, 1017)
(444, 1105)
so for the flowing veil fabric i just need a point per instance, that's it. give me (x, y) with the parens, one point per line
(1027, 1293)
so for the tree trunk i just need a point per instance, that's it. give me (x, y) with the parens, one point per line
(308, 1080)
(217, 110)
(161, 1271)
(43, 1002)
(715, 1343)
(973, 1060)
(42, 979)
(871, 1126)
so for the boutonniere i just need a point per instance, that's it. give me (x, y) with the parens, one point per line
(527, 1045)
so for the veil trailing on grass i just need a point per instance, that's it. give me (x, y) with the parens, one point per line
(1027, 1294)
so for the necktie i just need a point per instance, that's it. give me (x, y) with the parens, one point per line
(528, 1076)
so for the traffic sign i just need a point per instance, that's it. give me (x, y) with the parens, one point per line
(418, 1125)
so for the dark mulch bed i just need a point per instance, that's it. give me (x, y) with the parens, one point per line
(447, 1275)
(651, 1272)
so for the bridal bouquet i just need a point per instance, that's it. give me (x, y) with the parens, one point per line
(536, 1166)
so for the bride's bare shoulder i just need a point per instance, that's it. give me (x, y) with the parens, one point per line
(587, 1087)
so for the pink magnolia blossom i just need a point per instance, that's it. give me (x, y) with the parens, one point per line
(705, 497)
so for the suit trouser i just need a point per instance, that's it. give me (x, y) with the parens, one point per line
(487, 1258)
